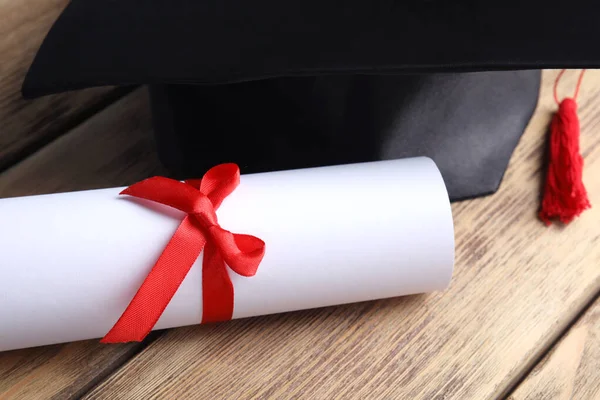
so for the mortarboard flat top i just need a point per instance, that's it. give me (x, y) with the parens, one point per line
(124, 42)
(278, 85)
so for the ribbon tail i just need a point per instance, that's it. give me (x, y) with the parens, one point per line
(160, 285)
(217, 288)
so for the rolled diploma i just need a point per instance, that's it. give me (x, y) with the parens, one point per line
(71, 262)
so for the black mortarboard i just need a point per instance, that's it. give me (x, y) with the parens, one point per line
(278, 85)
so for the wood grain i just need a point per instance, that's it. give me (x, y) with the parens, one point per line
(572, 370)
(113, 148)
(27, 125)
(517, 285)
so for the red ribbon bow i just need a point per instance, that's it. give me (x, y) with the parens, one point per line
(198, 230)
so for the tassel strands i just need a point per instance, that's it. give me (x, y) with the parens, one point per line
(565, 196)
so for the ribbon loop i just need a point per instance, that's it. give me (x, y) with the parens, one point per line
(199, 230)
(219, 182)
(242, 253)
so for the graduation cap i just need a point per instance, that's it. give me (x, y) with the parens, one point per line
(278, 85)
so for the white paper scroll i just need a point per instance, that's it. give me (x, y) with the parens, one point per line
(70, 263)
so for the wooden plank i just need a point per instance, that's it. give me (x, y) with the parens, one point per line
(517, 285)
(113, 148)
(60, 372)
(27, 125)
(572, 369)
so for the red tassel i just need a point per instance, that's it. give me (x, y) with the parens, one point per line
(565, 196)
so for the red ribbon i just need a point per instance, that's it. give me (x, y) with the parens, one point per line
(198, 230)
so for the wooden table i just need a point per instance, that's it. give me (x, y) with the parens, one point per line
(521, 318)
